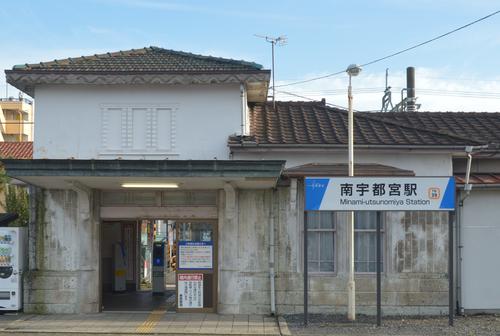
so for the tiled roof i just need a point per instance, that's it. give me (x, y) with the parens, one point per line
(145, 60)
(314, 123)
(483, 178)
(341, 169)
(16, 150)
(484, 127)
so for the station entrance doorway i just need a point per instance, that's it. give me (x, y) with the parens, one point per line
(159, 264)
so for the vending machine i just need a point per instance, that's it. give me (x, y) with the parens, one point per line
(12, 265)
(158, 268)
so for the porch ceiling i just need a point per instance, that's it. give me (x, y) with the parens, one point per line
(110, 174)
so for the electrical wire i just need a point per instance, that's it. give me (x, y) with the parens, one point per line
(422, 92)
(396, 53)
(311, 99)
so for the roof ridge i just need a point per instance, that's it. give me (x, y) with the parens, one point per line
(216, 58)
(435, 112)
(74, 59)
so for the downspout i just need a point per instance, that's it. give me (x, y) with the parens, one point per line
(271, 254)
(461, 199)
(243, 109)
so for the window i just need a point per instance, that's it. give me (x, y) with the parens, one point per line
(321, 241)
(365, 242)
(142, 129)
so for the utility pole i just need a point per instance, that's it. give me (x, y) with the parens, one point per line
(281, 41)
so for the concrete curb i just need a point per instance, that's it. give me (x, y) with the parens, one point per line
(82, 333)
(283, 327)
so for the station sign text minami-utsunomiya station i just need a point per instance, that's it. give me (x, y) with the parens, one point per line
(380, 193)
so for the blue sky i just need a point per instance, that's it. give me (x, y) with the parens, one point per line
(324, 37)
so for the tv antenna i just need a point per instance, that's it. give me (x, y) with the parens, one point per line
(281, 41)
(387, 98)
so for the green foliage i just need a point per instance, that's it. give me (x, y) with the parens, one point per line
(16, 200)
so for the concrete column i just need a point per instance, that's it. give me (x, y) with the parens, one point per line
(228, 251)
(64, 256)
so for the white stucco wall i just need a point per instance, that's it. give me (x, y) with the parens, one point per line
(480, 234)
(68, 122)
(423, 164)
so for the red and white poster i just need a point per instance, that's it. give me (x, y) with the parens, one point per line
(190, 290)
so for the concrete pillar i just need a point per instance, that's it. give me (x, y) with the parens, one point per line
(228, 247)
(63, 274)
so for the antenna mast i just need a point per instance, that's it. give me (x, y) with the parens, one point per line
(281, 41)
(387, 98)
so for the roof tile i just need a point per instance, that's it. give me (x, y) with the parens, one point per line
(149, 59)
(314, 123)
(16, 150)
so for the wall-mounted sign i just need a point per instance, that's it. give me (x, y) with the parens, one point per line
(195, 255)
(190, 290)
(380, 193)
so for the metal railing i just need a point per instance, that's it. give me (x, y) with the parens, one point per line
(13, 99)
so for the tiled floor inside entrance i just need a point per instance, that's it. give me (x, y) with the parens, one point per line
(159, 322)
(138, 301)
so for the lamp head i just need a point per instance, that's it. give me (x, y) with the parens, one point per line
(353, 70)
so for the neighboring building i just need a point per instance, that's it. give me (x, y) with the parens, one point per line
(16, 119)
(155, 118)
(16, 150)
(13, 150)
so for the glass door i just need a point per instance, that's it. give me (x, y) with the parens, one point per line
(196, 266)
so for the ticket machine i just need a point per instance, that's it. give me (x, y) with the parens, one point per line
(158, 268)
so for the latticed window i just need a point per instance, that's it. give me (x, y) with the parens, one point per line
(365, 242)
(321, 230)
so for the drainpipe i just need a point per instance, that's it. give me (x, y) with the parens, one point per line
(461, 198)
(271, 254)
(243, 109)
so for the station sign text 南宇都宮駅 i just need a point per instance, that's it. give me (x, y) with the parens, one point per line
(380, 193)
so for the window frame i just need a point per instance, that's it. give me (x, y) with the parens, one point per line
(151, 147)
(335, 247)
(383, 239)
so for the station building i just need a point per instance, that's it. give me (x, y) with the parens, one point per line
(147, 145)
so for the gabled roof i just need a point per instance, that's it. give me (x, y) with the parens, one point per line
(315, 124)
(483, 127)
(149, 59)
(16, 150)
(146, 66)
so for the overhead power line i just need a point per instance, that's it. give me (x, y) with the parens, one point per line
(422, 91)
(396, 53)
(311, 99)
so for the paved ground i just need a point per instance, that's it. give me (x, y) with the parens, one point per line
(160, 322)
(156, 322)
(338, 325)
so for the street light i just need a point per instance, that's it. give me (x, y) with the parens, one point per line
(352, 70)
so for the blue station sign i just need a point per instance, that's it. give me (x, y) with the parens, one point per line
(380, 193)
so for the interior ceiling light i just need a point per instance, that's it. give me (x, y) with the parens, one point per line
(150, 185)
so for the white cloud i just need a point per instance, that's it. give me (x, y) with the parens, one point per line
(436, 90)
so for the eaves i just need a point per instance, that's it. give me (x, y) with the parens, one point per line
(451, 149)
